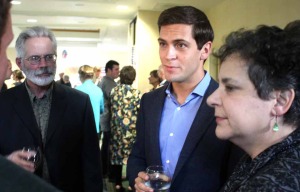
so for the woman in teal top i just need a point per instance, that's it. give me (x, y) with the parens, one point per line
(86, 74)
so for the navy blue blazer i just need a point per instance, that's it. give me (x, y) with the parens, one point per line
(204, 162)
(71, 146)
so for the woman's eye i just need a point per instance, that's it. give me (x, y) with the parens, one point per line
(229, 88)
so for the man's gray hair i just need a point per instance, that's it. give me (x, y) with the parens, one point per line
(37, 31)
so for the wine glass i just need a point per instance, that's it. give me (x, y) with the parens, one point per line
(36, 158)
(159, 178)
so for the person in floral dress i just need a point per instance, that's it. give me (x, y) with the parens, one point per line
(125, 103)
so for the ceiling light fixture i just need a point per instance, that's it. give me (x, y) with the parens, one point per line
(31, 20)
(15, 2)
(79, 4)
(122, 7)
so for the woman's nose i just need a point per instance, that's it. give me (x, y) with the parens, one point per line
(213, 99)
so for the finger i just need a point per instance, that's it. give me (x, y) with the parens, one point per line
(26, 154)
(28, 166)
(20, 158)
(143, 176)
(142, 187)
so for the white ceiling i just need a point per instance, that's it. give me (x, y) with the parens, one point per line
(90, 20)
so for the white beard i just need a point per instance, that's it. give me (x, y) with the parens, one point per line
(32, 75)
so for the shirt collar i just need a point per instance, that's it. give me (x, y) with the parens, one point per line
(200, 89)
(33, 97)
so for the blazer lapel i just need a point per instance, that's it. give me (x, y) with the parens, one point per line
(23, 108)
(156, 122)
(58, 107)
(198, 129)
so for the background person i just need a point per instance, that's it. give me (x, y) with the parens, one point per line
(97, 77)
(86, 74)
(154, 79)
(125, 103)
(17, 77)
(66, 80)
(175, 126)
(161, 74)
(257, 107)
(107, 84)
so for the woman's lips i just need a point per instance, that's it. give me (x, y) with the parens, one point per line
(219, 119)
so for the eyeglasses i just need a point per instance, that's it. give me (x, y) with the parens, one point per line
(36, 59)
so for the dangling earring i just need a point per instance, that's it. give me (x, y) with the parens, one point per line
(275, 127)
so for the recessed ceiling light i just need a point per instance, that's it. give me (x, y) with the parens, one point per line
(31, 20)
(79, 4)
(15, 2)
(122, 7)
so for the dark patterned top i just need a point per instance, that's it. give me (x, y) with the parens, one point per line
(41, 108)
(125, 102)
(275, 169)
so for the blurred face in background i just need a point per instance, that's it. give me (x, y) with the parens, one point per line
(153, 80)
(5, 41)
(114, 73)
(97, 73)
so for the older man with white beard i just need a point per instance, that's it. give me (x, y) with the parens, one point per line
(51, 118)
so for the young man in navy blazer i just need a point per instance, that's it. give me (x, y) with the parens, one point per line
(178, 132)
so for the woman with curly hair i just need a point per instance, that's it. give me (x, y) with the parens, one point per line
(257, 107)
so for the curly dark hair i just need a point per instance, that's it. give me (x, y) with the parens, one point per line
(4, 11)
(273, 62)
(202, 30)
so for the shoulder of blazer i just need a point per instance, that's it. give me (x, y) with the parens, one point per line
(157, 96)
(213, 85)
(159, 92)
(13, 93)
(60, 90)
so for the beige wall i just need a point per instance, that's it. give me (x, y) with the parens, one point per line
(231, 15)
(234, 14)
(146, 47)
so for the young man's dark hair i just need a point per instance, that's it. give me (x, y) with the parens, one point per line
(110, 64)
(202, 30)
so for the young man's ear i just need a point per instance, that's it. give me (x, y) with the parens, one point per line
(205, 51)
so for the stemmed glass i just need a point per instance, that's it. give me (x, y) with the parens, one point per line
(36, 158)
(159, 178)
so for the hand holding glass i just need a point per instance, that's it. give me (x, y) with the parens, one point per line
(36, 158)
(159, 178)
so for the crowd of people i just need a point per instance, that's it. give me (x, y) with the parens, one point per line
(238, 134)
